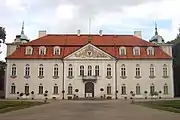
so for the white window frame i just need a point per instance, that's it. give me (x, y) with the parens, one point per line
(136, 51)
(151, 71)
(138, 70)
(138, 89)
(122, 51)
(97, 70)
(42, 50)
(150, 51)
(109, 70)
(81, 72)
(56, 70)
(165, 70)
(56, 50)
(29, 50)
(41, 70)
(27, 70)
(109, 89)
(13, 89)
(123, 70)
(70, 70)
(123, 90)
(55, 90)
(89, 70)
(166, 89)
(70, 89)
(41, 89)
(13, 70)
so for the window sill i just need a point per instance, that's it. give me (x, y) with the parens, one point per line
(123, 77)
(26, 77)
(40, 77)
(70, 77)
(108, 77)
(55, 77)
(165, 76)
(151, 77)
(138, 77)
(13, 76)
(55, 94)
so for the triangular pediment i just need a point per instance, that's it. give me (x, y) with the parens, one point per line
(89, 51)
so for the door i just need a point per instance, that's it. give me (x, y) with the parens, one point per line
(89, 89)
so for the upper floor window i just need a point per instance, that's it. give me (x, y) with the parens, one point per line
(108, 70)
(27, 70)
(150, 51)
(56, 70)
(165, 70)
(123, 70)
(122, 51)
(109, 89)
(29, 50)
(42, 50)
(81, 70)
(13, 70)
(152, 70)
(56, 50)
(97, 70)
(89, 70)
(136, 51)
(138, 70)
(70, 70)
(41, 70)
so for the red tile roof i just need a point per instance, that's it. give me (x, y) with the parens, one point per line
(71, 43)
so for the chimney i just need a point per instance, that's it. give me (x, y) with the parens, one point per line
(100, 32)
(78, 32)
(42, 33)
(137, 34)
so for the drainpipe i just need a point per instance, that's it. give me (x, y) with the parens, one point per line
(63, 91)
(116, 79)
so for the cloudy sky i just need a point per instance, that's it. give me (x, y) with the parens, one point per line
(112, 16)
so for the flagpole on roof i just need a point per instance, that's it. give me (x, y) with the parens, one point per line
(89, 37)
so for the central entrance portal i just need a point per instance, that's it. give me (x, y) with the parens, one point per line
(89, 89)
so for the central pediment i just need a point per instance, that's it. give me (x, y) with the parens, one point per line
(89, 51)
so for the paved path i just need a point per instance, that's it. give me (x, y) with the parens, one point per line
(89, 110)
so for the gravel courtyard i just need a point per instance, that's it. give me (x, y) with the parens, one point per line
(89, 110)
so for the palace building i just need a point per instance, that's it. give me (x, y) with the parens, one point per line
(95, 65)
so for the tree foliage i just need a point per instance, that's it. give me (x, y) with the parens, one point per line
(2, 35)
(2, 74)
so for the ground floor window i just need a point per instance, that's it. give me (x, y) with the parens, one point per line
(152, 89)
(70, 90)
(55, 89)
(26, 89)
(123, 90)
(13, 89)
(165, 89)
(138, 90)
(40, 89)
(109, 90)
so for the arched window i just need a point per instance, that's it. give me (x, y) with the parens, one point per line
(27, 70)
(165, 70)
(138, 70)
(56, 70)
(29, 50)
(70, 89)
(42, 50)
(122, 51)
(97, 70)
(108, 70)
(40, 89)
(152, 70)
(41, 70)
(26, 90)
(150, 51)
(138, 89)
(70, 70)
(136, 51)
(55, 89)
(123, 89)
(56, 50)
(89, 70)
(123, 70)
(109, 89)
(81, 70)
(165, 89)
(13, 89)
(13, 70)
(152, 89)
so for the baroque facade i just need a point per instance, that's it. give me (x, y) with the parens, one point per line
(113, 66)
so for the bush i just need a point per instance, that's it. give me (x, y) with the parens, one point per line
(69, 98)
(109, 97)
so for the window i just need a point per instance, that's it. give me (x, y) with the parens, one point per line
(138, 90)
(136, 51)
(122, 51)
(123, 70)
(138, 70)
(42, 50)
(27, 70)
(40, 89)
(152, 70)
(81, 70)
(89, 70)
(165, 89)
(41, 70)
(109, 90)
(55, 89)
(165, 69)
(56, 70)
(70, 90)
(29, 50)
(96, 70)
(108, 70)
(57, 50)
(13, 89)
(70, 70)
(150, 51)
(152, 89)
(13, 70)
(26, 89)
(123, 90)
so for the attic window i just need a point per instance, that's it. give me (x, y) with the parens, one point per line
(122, 51)
(136, 51)
(29, 50)
(56, 50)
(42, 50)
(150, 51)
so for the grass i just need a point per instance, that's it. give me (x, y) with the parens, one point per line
(168, 105)
(7, 106)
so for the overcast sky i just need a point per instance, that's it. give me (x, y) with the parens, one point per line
(112, 16)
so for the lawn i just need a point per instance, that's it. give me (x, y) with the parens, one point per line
(7, 106)
(168, 105)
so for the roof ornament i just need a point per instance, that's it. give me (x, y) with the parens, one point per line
(156, 32)
(22, 31)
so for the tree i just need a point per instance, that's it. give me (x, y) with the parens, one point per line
(45, 96)
(76, 90)
(32, 93)
(145, 92)
(101, 89)
(2, 35)
(2, 74)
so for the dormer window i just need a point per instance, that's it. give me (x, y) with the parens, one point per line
(29, 50)
(56, 50)
(42, 50)
(136, 51)
(122, 51)
(150, 51)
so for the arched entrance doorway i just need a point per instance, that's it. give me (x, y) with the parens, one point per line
(89, 89)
